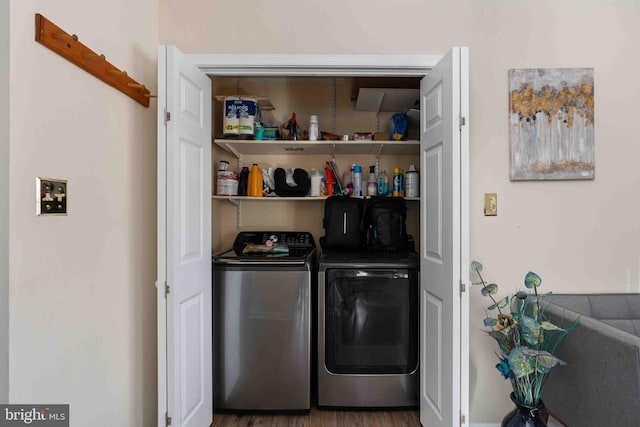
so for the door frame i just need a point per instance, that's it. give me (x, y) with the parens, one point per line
(315, 65)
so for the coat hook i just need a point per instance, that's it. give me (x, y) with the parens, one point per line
(93, 56)
(64, 36)
(96, 64)
(117, 72)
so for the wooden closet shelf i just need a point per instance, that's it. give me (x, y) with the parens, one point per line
(68, 46)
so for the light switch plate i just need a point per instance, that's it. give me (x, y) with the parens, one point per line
(490, 204)
(51, 196)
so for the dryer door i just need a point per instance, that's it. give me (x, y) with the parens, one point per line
(371, 321)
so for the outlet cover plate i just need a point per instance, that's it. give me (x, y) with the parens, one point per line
(51, 196)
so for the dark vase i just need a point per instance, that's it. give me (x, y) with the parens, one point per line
(524, 415)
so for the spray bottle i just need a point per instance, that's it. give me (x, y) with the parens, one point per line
(293, 127)
(357, 180)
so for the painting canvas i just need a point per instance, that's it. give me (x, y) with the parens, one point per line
(551, 123)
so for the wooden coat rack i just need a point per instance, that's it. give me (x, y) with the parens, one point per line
(68, 46)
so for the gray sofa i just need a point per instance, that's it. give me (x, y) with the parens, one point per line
(600, 385)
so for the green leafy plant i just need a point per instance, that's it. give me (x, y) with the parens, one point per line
(528, 342)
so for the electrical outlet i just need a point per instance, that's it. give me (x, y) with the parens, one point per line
(490, 204)
(51, 196)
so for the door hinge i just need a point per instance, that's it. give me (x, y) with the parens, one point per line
(462, 121)
(463, 287)
(167, 289)
(167, 116)
(167, 419)
(463, 419)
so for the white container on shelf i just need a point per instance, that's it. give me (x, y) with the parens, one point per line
(316, 179)
(248, 112)
(412, 182)
(313, 128)
(227, 183)
(231, 120)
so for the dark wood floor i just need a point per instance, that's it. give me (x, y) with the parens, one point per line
(323, 418)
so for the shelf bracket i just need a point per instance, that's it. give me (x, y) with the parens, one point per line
(334, 107)
(233, 151)
(69, 47)
(238, 204)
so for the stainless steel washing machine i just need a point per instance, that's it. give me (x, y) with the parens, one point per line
(368, 329)
(262, 291)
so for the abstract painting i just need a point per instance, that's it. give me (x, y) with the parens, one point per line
(551, 123)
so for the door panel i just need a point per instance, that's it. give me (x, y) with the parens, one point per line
(433, 357)
(192, 208)
(184, 243)
(192, 391)
(443, 244)
(432, 167)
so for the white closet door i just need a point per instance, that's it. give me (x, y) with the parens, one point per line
(444, 241)
(184, 242)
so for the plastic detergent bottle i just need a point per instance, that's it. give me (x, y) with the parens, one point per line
(316, 179)
(255, 181)
(383, 184)
(243, 183)
(372, 185)
(347, 182)
(330, 180)
(313, 128)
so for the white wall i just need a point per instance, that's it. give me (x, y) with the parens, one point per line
(4, 207)
(82, 305)
(579, 236)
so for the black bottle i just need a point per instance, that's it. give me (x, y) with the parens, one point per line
(243, 183)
